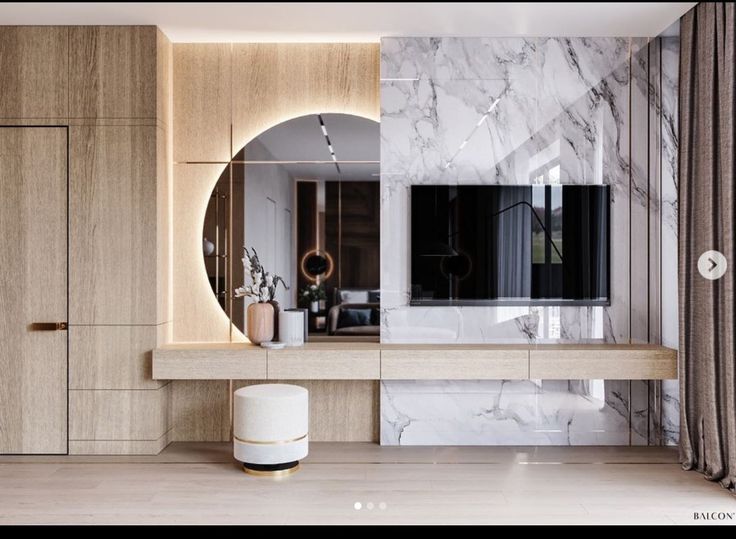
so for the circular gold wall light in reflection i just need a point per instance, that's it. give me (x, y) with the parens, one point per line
(317, 263)
(459, 266)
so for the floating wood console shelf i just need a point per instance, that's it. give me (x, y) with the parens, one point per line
(373, 361)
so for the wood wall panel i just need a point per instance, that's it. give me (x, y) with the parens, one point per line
(113, 226)
(164, 78)
(346, 363)
(34, 62)
(179, 363)
(339, 410)
(565, 362)
(272, 83)
(119, 447)
(164, 189)
(279, 81)
(112, 357)
(112, 71)
(201, 411)
(196, 312)
(202, 102)
(130, 415)
(113, 85)
(33, 277)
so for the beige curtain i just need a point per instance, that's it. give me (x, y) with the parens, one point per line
(707, 221)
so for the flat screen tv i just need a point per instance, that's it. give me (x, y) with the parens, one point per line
(510, 245)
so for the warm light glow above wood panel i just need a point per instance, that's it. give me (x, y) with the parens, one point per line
(197, 313)
(271, 83)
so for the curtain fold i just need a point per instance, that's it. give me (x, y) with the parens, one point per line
(514, 249)
(707, 219)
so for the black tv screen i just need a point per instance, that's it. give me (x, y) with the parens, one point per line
(510, 245)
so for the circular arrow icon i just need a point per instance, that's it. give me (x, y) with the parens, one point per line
(712, 265)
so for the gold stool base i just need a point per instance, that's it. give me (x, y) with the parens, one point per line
(271, 473)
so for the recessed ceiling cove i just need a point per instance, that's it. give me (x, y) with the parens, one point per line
(357, 22)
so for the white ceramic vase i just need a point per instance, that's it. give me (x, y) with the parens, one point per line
(208, 247)
(291, 328)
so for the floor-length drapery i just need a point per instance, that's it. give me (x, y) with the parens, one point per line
(707, 220)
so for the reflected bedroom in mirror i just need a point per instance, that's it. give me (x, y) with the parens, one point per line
(304, 195)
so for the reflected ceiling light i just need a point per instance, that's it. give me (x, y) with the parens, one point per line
(482, 119)
(329, 142)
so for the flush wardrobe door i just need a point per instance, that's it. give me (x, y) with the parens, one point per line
(33, 289)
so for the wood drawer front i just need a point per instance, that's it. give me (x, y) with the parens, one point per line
(303, 364)
(441, 364)
(209, 364)
(612, 364)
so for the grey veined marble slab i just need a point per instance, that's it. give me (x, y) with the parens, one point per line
(495, 412)
(502, 111)
(542, 110)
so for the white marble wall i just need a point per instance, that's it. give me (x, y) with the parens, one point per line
(519, 412)
(670, 58)
(560, 102)
(560, 107)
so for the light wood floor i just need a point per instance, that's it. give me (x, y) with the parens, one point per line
(199, 483)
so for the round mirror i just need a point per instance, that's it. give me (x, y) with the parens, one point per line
(303, 197)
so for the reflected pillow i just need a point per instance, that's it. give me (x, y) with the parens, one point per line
(374, 296)
(354, 317)
(353, 296)
(375, 316)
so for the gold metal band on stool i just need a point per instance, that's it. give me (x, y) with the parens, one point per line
(271, 473)
(279, 442)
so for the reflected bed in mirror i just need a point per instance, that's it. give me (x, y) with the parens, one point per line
(305, 195)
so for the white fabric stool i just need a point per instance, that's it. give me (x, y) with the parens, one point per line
(271, 428)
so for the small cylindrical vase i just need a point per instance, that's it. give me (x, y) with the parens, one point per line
(260, 322)
(291, 327)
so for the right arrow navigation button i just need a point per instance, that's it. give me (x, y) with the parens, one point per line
(712, 265)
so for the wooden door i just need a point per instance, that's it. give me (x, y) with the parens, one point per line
(33, 289)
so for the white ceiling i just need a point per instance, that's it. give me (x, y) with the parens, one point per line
(300, 139)
(361, 22)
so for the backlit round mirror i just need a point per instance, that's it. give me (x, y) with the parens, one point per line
(304, 198)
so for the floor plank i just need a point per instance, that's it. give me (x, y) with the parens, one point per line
(201, 484)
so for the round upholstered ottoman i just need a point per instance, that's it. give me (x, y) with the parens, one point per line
(271, 428)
